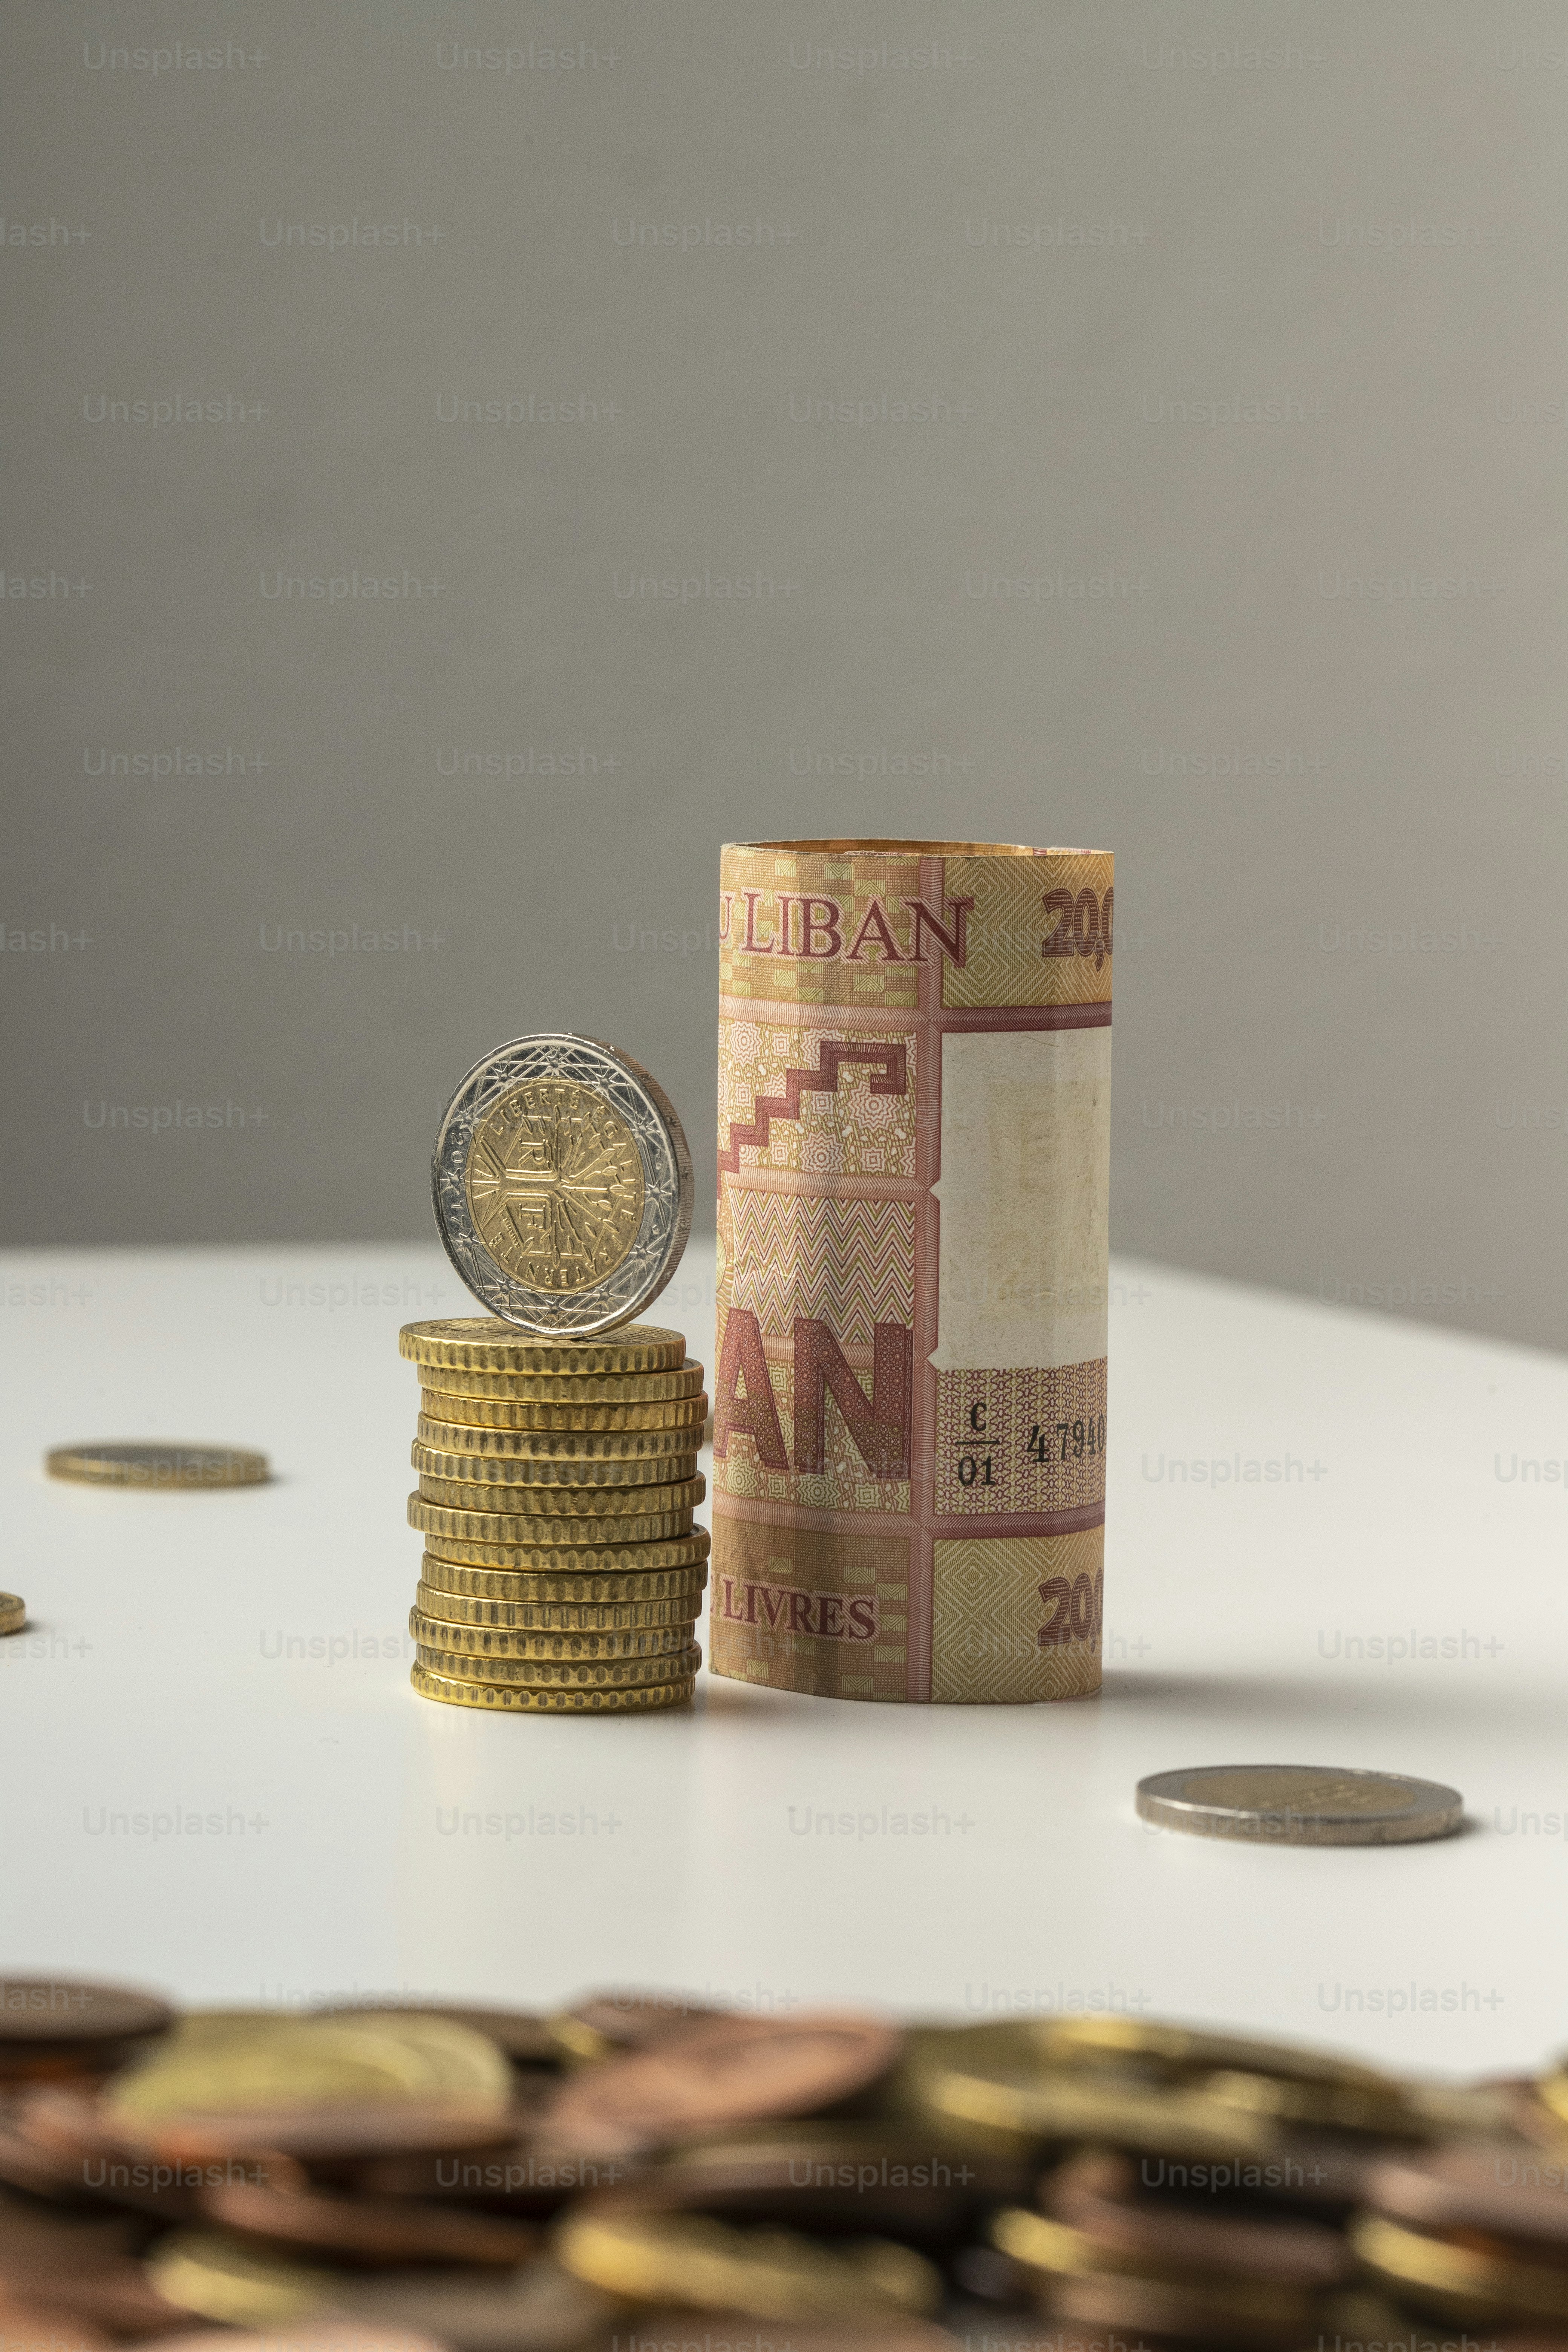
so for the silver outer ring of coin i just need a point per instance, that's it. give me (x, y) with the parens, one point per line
(661, 1147)
(1174, 1801)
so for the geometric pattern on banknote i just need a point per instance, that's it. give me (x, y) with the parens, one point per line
(819, 1115)
(865, 1581)
(1023, 1439)
(987, 1615)
(845, 1482)
(851, 1263)
(1009, 925)
(854, 882)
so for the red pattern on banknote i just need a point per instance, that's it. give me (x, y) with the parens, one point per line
(823, 1081)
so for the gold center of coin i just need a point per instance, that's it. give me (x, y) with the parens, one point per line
(554, 1185)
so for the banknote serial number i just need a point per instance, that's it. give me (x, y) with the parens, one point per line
(1051, 1440)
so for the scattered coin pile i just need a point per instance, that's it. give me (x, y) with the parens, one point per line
(557, 1483)
(637, 2168)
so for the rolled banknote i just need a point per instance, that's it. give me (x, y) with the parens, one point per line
(914, 1104)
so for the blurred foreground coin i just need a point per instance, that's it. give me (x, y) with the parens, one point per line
(152, 1465)
(13, 1613)
(1300, 1805)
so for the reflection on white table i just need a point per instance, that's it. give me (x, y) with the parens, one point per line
(1332, 1539)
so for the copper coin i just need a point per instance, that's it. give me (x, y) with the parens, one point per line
(1502, 2188)
(66, 2128)
(27, 2326)
(357, 2229)
(1097, 2193)
(719, 2071)
(56, 2010)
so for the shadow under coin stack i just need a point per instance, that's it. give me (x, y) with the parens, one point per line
(557, 1482)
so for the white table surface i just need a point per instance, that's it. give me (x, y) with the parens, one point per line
(149, 1685)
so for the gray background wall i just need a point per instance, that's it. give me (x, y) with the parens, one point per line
(1419, 742)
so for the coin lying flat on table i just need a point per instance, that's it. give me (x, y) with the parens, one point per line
(542, 1673)
(159, 1464)
(323, 2085)
(527, 1473)
(220, 2277)
(719, 2071)
(567, 1387)
(1301, 1804)
(562, 1184)
(549, 1698)
(521, 1413)
(480, 1498)
(536, 1586)
(13, 1613)
(771, 2274)
(57, 2010)
(524, 1538)
(538, 2307)
(482, 1343)
(594, 1559)
(574, 1445)
(553, 1642)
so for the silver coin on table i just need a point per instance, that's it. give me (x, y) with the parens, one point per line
(1300, 1805)
(562, 1184)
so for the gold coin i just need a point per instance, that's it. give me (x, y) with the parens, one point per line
(1183, 2050)
(300, 2064)
(563, 1674)
(585, 1561)
(480, 1500)
(545, 1539)
(530, 1585)
(1466, 2281)
(224, 2279)
(482, 1646)
(994, 2076)
(557, 1444)
(483, 1343)
(1060, 2252)
(768, 2274)
(552, 1699)
(571, 1389)
(576, 1471)
(13, 1613)
(158, 1466)
(554, 1616)
(525, 1413)
(555, 1184)
(1267, 2078)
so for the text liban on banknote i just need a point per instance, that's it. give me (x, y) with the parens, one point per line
(914, 1108)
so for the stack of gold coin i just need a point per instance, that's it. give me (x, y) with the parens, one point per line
(557, 1483)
